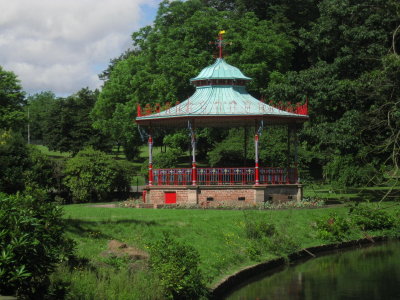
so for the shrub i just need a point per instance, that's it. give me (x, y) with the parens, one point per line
(179, 140)
(91, 174)
(41, 171)
(14, 159)
(32, 242)
(257, 229)
(177, 266)
(371, 219)
(346, 170)
(228, 151)
(23, 166)
(169, 159)
(265, 236)
(334, 228)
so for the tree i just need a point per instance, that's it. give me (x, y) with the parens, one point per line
(12, 98)
(39, 106)
(92, 176)
(346, 46)
(175, 49)
(68, 126)
(177, 266)
(14, 160)
(23, 166)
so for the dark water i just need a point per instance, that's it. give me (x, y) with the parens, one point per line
(366, 273)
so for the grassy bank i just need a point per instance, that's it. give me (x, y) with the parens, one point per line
(218, 235)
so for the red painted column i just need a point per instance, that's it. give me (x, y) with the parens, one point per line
(150, 160)
(289, 131)
(296, 156)
(194, 167)
(257, 171)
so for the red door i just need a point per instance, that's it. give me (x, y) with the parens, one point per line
(170, 197)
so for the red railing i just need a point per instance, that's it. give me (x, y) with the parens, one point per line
(224, 176)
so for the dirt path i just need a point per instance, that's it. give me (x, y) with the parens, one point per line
(104, 205)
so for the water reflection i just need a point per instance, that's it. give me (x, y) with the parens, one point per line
(366, 273)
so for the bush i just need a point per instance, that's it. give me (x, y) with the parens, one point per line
(32, 243)
(14, 160)
(345, 171)
(371, 219)
(265, 236)
(179, 140)
(257, 229)
(169, 159)
(23, 166)
(41, 171)
(229, 151)
(177, 266)
(335, 228)
(92, 175)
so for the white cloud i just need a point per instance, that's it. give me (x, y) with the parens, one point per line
(59, 45)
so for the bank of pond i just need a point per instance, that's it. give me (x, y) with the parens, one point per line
(216, 243)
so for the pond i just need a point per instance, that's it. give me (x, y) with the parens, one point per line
(363, 273)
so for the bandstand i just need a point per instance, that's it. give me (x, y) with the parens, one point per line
(221, 100)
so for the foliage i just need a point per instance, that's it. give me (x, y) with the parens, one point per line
(92, 176)
(265, 236)
(169, 159)
(12, 98)
(24, 166)
(345, 171)
(179, 140)
(32, 243)
(119, 126)
(68, 127)
(217, 234)
(42, 171)
(109, 283)
(257, 229)
(335, 228)
(349, 82)
(175, 49)
(230, 150)
(14, 160)
(39, 106)
(370, 218)
(177, 266)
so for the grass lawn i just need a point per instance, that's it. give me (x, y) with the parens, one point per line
(373, 193)
(55, 154)
(218, 235)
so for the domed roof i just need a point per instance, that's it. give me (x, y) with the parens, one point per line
(220, 70)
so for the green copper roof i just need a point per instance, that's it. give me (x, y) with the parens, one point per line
(221, 105)
(220, 70)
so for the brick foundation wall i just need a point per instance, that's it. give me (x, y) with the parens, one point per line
(225, 195)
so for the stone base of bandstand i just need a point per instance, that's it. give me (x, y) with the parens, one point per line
(222, 195)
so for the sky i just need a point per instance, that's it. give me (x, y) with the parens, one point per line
(62, 45)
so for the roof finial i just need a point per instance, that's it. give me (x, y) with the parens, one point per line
(220, 43)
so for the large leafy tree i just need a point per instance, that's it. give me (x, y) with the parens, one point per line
(333, 51)
(174, 50)
(346, 47)
(14, 161)
(38, 106)
(68, 126)
(12, 99)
